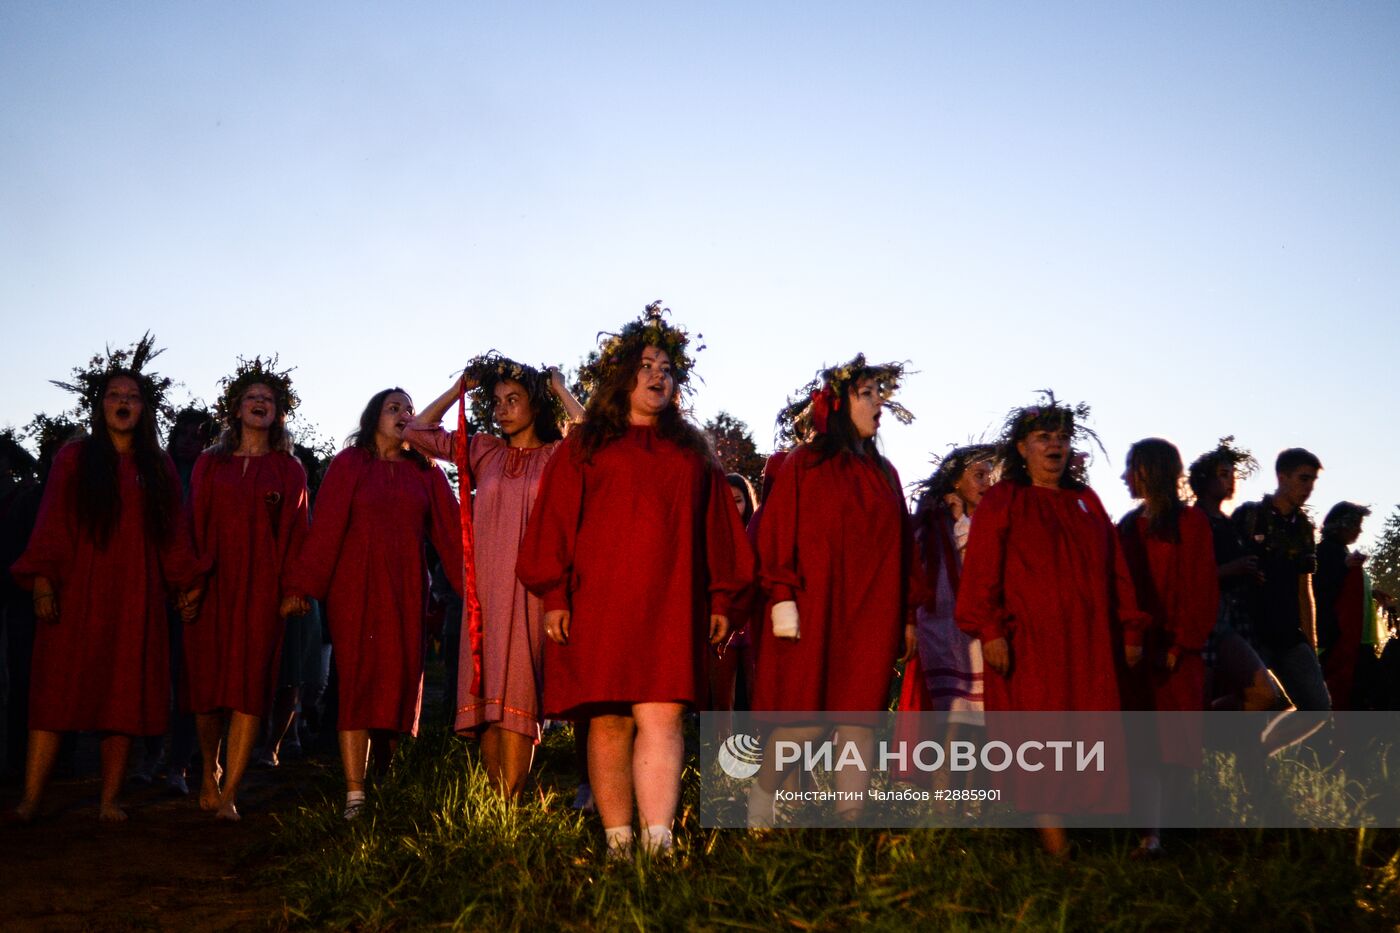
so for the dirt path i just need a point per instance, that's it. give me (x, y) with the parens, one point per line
(169, 867)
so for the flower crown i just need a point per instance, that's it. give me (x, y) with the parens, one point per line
(1240, 459)
(806, 412)
(490, 368)
(650, 330)
(948, 467)
(1050, 414)
(251, 372)
(88, 382)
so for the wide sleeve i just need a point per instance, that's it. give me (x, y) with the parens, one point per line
(445, 527)
(546, 558)
(54, 540)
(981, 605)
(777, 535)
(431, 440)
(729, 557)
(294, 519)
(201, 507)
(313, 568)
(1198, 585)
(180, 563)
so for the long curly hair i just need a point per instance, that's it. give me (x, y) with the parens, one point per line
(812, 410)
(1156, 466)
(249, 373)
(363, 436)
(98, 488)
(948, 469)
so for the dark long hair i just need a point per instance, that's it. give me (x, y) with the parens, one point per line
(539, 395)
(278, 438)
(363, 436)
(841, 436)
(737, 481)
(609, 407)
(1157, 464)
(98, 491)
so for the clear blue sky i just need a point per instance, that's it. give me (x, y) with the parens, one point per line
(1186, 214)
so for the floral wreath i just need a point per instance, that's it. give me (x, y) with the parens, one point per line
(490, 368)
(89, 381)
(1050, 414)
(251, 372)
(807, 412)
(1240, 459)
(946, 467)
(650, 330)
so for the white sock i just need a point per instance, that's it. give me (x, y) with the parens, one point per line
(657, 839)
(760, 807)
(354, 800)
(619, 839)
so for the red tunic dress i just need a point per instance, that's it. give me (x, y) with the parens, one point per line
(105, 665)
(249, 523)
(835, 539)
(642, 544)
(1044, 570)
(365, 558)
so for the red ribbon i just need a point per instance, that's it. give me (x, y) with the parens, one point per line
(824, 402)
(471, 605)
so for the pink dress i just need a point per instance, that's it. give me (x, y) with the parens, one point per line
(506, 481)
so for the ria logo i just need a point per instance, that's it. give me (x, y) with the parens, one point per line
(740, 756)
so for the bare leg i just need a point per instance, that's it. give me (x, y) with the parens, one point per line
(491, 754)
(1053, 836)
(382, 746)
(284, 713)
(610, 768)
(38, 766)
(658, 754)
(770, 778)
(210, 728)
(242, 733)
(853, 780)
(513, 754)
(114, 749)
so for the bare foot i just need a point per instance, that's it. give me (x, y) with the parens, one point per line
(111, 813)
(227, 811)
(24, 812)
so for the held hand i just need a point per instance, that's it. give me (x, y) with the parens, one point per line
(1172, 659)
(45, 601)
(556, 380)
(293, 606)
(556, 626)
(188, 603)
(996, 654)
(466, 383)
(719, 629)
(911, 642)
(1133, 654)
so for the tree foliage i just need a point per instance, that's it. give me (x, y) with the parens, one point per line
(1384, 564)
(735, 447)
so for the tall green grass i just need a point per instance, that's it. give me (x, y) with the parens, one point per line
(436, 847)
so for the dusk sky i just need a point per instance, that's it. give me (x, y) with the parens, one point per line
(1185, 214)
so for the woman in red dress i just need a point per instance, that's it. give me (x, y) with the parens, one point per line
(110, 543)
(379, 504)
(1171, 556)
(836, 554)
(1045, 587)
(636, 549)
(249, 503)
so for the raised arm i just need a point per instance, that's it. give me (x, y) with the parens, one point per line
(573, 409)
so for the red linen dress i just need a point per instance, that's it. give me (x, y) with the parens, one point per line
(835, 539)
(105, 665)
(365, 558)
(1044, 570)
(507, 482)
(642, 544)
(250, 521)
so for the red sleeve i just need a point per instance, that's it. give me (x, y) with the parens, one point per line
(294, 518)
(53, 541)
(777, 535)
(313, 567)
(179, 562)
(1199, 586)
(728, 554)
(445, 527)
(1124, 591)
(201, 504)
(432, 441)
(546, 558)
(981, 604)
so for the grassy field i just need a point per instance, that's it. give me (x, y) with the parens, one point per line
(437, 848)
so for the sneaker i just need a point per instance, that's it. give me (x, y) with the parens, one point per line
(583, 800)
(177, 785)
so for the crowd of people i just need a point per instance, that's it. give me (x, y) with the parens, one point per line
(607, 571)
